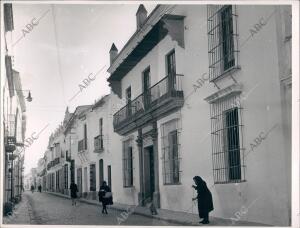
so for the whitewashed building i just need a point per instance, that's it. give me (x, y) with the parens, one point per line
(13, 125)
(208, 93)
(88, 136)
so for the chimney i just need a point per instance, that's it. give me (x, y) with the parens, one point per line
(141, 16)
(113, 53)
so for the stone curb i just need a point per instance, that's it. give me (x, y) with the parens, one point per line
(159, 217)
(124, 209)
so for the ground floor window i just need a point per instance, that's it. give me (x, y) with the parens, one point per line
(227, 149)
(109, 176)
(57, 180)
(127, 164)
(66, 176)
(170, 152)
(92, 177)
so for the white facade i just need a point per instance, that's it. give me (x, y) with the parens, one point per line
(264, 88)
(13, 116)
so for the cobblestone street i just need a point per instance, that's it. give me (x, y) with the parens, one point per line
(48, 209)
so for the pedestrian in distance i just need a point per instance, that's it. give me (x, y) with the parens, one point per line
(40, 188)
(105, 196)
(74, 190)
(32, 188)
(204, 197)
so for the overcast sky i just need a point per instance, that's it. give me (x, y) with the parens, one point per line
(67, 44)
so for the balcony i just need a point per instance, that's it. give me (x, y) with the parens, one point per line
(82, 145)
(10, 133)
(98, 144)
(164, 97)
(53, 163)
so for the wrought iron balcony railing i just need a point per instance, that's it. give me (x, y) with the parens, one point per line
(10, 133)
(53, 163)
(98, 144)
(169, 86)
(82, 145)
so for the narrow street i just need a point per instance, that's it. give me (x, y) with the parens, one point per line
(48, 209)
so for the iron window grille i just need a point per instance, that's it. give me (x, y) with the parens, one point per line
(170, 137)
(227, 141)
(66, 176)
(222, 39)
(8, 17)
(127, 164)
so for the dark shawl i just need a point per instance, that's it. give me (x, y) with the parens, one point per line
(74, 190)
(101, 194)
(205, 202)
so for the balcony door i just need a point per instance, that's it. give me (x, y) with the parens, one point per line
(146, 88)
(171, 70)
(79, 180)
(128, 101)
(85, 136)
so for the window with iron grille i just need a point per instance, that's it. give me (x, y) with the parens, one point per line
(8, 17)
(170, 152)
(92, 177)
(101, 133)
(227, 143)
(66, 176)
(222, 39)
(85, 136)
(127, 164)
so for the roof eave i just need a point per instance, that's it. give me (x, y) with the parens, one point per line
(151, 20)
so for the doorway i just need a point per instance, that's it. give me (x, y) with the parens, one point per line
(109, 176)
(79, 181)
(149, 175)
(101, 172)
(85, 180)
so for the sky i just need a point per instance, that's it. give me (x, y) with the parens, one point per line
(63, 46)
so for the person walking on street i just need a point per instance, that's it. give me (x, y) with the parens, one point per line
(105, 196)
(32, 188)
(204, 197)
(74, 190)
(40, 188)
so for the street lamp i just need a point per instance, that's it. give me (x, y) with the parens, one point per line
(29, 97)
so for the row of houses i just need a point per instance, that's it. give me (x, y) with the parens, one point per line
(13, 119)
(197, 90)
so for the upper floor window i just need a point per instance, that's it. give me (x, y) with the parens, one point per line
(171, 63)
(222, 39)
(287, 13)
(101, 132)
(85, 136)
(128, 101)
(146, 87)
(171, 70)
(8, 17)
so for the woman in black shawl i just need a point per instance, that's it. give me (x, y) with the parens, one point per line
(74, 190)
(205, 202)
(105, 196)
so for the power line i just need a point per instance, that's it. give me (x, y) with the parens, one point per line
(58, 54)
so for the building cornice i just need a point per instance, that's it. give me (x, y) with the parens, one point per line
(224, 93)
(159, 13)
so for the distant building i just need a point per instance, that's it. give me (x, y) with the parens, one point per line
(31, 179)
(13, 117)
